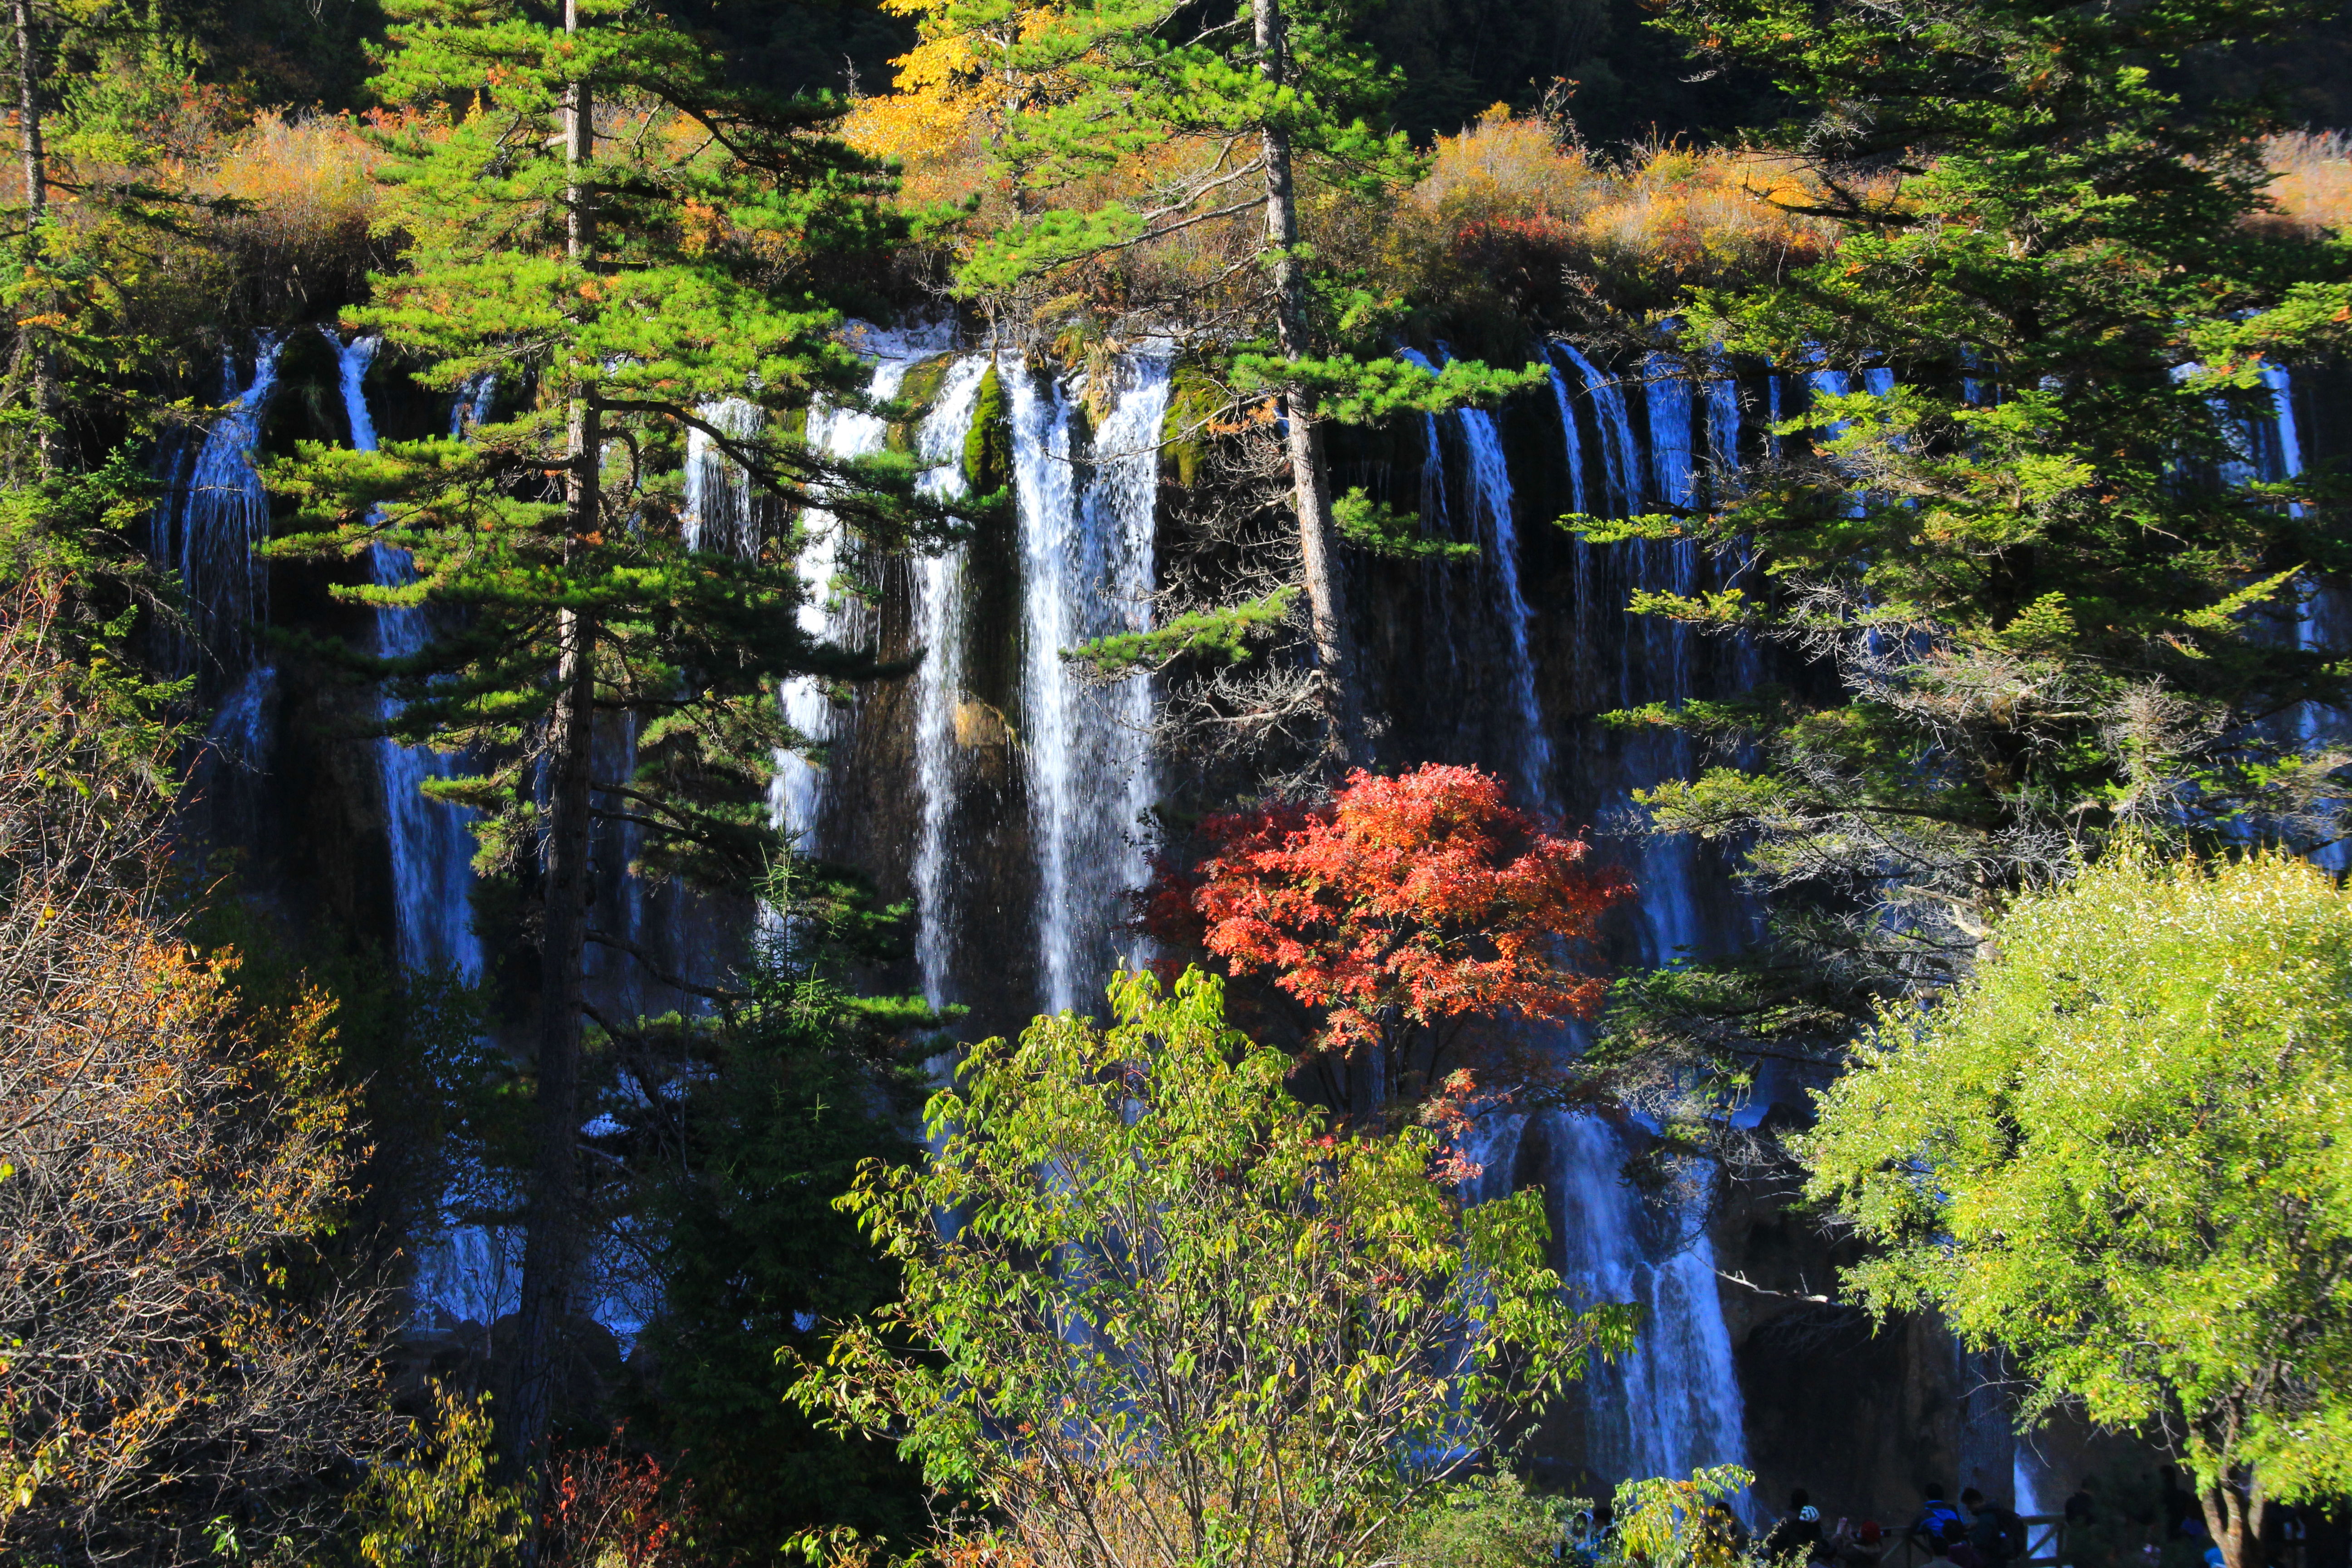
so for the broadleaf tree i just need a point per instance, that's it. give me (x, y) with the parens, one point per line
(1172, 1318)
(2119, 1153)
(616, 236)
(1401, 917)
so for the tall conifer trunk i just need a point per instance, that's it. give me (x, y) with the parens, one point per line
(551, 1246)
(1326, 598)
(36, 206)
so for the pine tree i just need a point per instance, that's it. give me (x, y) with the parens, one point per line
(1131, 130)
(603, 226)
(2054, 596)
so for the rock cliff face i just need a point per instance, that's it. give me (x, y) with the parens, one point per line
(1007, 796)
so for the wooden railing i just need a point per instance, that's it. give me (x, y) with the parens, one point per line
(2045, 1545)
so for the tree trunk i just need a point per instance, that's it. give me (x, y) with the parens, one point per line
(551, 1243)
(1310, 478)
(36, 206)
(2233, 1517)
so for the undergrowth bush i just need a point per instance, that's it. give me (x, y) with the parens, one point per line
(2314, 183)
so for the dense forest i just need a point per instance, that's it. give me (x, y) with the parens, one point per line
(1120, 784)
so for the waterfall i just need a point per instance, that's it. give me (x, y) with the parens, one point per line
(1620, 455)
(432, 847)
(468, 1273)
(1491, 499)
(1673, 1405)
(1669, 870)
(723, 507)
(1567, 432)
(1723, 423)
(939, 682)
(1581, 552)
(2316, 724)
(1087, 570)
(208, 525)
(843, 433)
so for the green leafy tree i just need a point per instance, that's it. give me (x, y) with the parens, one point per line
(1484, 1522)
(1682, 1521)
(440, 1505)
(1172, 1318)
(1162, 161)
(2119, 1155)
(98, 233)
(2048, 593)
(601, 221)
(770, 1111)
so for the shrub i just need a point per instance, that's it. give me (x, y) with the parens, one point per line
(438, 1506)
(2314, 182)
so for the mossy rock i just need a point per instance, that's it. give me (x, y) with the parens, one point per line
(916, 394)
(1185, 446)
(988, 445)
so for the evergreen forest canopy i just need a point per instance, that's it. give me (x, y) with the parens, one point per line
(706, 341)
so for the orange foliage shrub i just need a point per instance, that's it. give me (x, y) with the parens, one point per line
(1397, 908)
(307, 184)
(2314, 182)
(1507, 210)
(167, 1160)
(610, 1509)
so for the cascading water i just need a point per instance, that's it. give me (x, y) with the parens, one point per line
(432, 846)
(466, 1273)
(723, 506)
(209, 522)
(1085, 538)
(939, 682)
(1675, 1403)
(1087, 570)
(1621, 453)
(841, 433)
(1491, 498)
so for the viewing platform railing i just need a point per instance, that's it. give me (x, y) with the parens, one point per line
(2045, 1544)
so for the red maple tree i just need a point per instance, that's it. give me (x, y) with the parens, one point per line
(1396, 912)
(610, 1508)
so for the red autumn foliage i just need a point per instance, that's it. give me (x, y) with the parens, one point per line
(1398, 905)
(609, 1507)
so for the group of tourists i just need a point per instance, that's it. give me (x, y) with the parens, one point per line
(1979, 1533)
